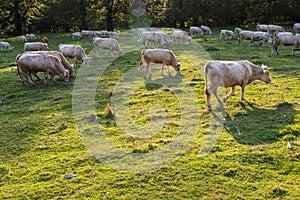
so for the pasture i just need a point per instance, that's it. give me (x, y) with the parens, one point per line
(47, 131)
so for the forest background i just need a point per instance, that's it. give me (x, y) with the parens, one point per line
(35, 16)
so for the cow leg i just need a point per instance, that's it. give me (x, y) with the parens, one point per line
(229, 94)
(293, 50)
(46, 76)
(162, 69)
(208, 95)
(29, 78)
(37, 77)
(243, 92)
(215, 92)
(149, 70)
(96, 52)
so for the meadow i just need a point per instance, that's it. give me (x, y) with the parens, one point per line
(121, 137)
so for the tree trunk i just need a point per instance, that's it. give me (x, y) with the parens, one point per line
(109, 15)
(17, 18)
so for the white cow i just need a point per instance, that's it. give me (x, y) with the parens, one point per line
(163, 56)
(59, 55)
(227, 34)
(158, 39)
(181, 36)
(197, 30)
(237, 30)
(261, 37)
(262, 27)
(230, 74)
(5, 46)
(286, 39)
(106, 44)
(23, 39)
(275, 28)
(35, 46)
(76, 36)
(74, 51)
(296, 27)
(244, 35)
(206, 30)
(30, 36)
(33, 63)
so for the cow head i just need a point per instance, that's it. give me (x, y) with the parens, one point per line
(177, 67)
(265, 74)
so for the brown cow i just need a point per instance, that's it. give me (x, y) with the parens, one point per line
(231, 74)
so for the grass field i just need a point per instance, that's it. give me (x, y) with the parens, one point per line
(162, 143)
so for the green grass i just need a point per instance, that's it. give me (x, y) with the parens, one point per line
(41, 141)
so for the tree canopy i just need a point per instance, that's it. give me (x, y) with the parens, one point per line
(24, 16)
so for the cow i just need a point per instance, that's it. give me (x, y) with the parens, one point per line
(275, 28)
(296, 27)
(206, 30)
(106, 44)
(197, 30)
(74, 51)
(262, 27)
(227, 34)
(87, 34)
(261, 37)
(237, 30)
(5, 46)
(244, 35)
(181, 36)
(76, 36)
(35, 46)
(159, 39)
(23, 39)
(59, 55)
(230, 74)
(33, 63)
(286, 39)
(30, 36)
(163, 56)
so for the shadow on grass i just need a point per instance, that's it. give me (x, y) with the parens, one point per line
(259, 126)
(166, 81)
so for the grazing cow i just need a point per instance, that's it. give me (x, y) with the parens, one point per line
(275, 28)
(206, 30)
(35, 46)
(163, 56)
(87, 34)
(33, 63)
(76, 36)
(106, 44)
(296, 27)
(286, 39)
(23, 39)
(197, 30)
(244, 35)
(230, 74)
(159, 39)
(181, 36)
(262, 27)
(237, 30)
(30, 36)
(74, 51)
(261, 37)
(5, 46)
(227, 34)
(59, 55)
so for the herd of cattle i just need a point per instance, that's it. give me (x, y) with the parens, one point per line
(217, 73)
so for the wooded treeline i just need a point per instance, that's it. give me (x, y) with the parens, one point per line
(25, 16)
